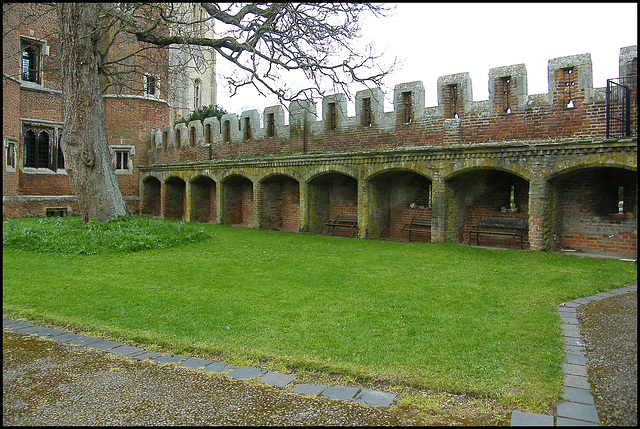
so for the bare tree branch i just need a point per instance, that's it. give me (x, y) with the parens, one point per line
(266, 41)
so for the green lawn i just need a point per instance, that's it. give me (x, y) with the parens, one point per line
(431, 316)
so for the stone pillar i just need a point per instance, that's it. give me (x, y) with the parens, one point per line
(257, 204)
(537, 205)
(304, 206)
(163, 192)
(187, 199)
(363, 205)
(219, 204)
(438, 208)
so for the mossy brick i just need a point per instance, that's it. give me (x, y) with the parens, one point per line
(277, 379)
(375, 397)
(309, 389)
(340, 393)
(519, 418)
(194, 363)
(219, 367)
(105, 345)
(127, 351)
(81, 340)
(246, 372)
(573, 394)
(170, 359)
(575, 410)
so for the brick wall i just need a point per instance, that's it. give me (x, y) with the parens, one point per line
(203, 200)
(238, 201)
(280, 204)
(485, 194)
(332, 194)
(10, 129)
(587, 205)
(573, 108)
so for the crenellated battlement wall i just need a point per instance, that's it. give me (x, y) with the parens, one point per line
(572, 108)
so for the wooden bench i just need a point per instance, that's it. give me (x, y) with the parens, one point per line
(343, 221)
(417, 224)
(500, 226)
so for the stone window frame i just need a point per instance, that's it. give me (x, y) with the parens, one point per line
(407, 107)
(226, 131)
(507, 91)
(367, 112)
(41, 49)
(332, 116)
(453, 99)
(54, 130)
(271, 125)
(129, 150)
(208, 133)
(149, 83)
(246, 131)
(10, 145)
(569, 84)
(197, 94)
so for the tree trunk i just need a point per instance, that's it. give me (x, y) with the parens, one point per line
(84, 140)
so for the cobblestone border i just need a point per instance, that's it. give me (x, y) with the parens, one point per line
(579, 406)
(336, 393)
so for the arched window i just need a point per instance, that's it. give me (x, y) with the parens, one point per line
(196, 94)
(30, 149)
(208, 133)
(60, 154)
(42, 151)
(42, 147)
(30, 64)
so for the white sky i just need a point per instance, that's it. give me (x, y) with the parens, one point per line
(438, 39)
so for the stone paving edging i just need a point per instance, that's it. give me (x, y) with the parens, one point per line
(336, 393)
(579, 407)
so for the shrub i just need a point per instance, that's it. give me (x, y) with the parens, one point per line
(202, 113)
(67, 235)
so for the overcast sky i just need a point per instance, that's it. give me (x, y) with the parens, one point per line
(438, 39)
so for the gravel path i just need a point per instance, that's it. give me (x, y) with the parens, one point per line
(51, 383)
(609, 328)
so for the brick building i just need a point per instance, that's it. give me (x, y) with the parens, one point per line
(34, 179)
(565, 162)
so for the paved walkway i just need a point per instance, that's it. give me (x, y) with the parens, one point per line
(336, 393)
(579, 407)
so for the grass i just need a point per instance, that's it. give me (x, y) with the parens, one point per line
(436, 316)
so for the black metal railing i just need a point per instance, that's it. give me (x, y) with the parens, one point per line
(618, 108)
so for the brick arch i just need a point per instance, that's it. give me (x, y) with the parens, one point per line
(400, 168)
(151, 196)
(454, 169)
(291, 174)
(279, 203)
(237, 200)
(394, 197)
(593, 209)
(203, 199)
(174, 197)
(481, 192)
(588, 161)
(230, 174)
(313, 173)
(331, 193)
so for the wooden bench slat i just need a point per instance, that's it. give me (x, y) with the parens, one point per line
(418, 224)
(344, 221)
(516, 228)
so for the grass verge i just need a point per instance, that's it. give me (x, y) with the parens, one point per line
(433, 316)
